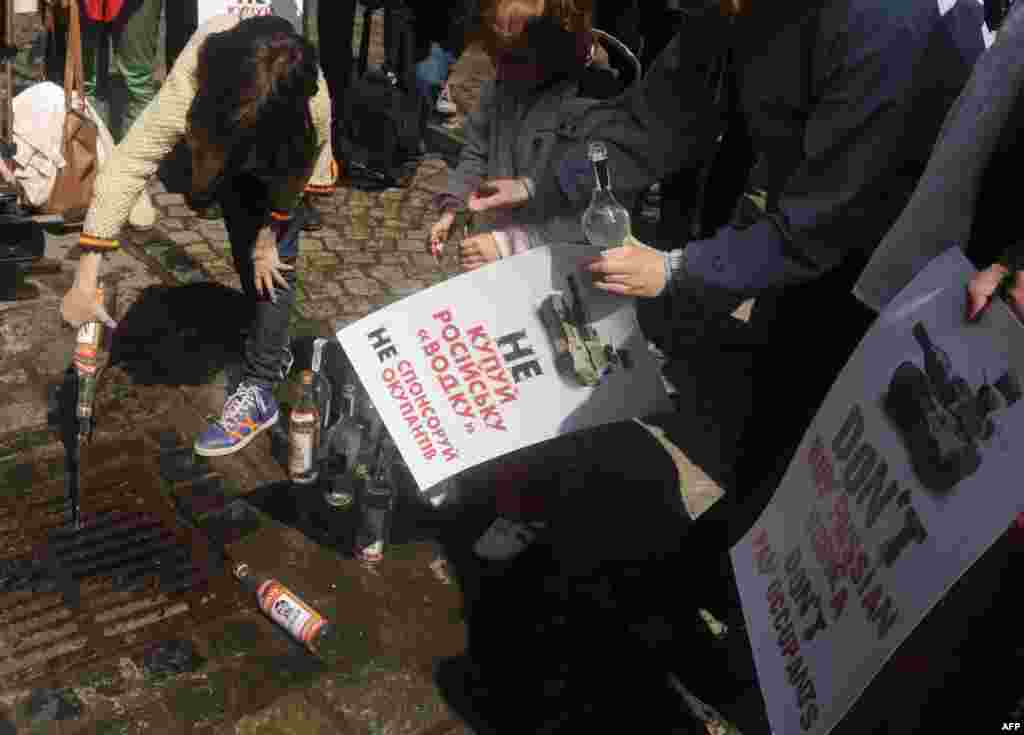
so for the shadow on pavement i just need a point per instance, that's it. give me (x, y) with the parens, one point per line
(181, 335)
(547, 655)
(304, 509)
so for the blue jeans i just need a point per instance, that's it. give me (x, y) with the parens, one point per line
(432, 72)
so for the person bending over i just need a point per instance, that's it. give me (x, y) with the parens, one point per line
(249, 100)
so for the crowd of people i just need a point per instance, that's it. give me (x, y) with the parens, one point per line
(787, 138)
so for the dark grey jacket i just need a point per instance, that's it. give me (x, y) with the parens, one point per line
(842, 104)
(941, 212)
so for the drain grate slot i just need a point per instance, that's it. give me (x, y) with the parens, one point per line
(113, 542)
(130, 576)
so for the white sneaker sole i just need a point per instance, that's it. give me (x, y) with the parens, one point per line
(225, 451)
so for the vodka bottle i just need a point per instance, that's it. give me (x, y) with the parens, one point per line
(87, 348)
(605, 221)
(304, 429)
(288, 610)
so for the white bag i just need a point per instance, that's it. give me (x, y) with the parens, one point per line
(38, 132)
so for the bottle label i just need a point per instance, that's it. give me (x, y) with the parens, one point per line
(85, 359)
(318, 353)
(89, 334)
(286, 609)
(301, 456)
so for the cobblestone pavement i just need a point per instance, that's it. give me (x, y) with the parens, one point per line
(371, 250)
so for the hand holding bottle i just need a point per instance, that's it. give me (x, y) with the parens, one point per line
(633, 269)
(440, 232)
(478, 251)
(80, 305)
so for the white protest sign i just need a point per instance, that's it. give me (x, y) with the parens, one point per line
(909, 472)
(290, 10)
(468, 370)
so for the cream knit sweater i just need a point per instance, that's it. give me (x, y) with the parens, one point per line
(160, 127)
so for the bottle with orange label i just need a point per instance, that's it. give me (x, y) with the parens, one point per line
(87, 352)
(288, 610)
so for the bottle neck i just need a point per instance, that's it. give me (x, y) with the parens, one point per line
(602, 175)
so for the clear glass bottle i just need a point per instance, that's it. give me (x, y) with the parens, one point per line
(606, 223)
(304, 430)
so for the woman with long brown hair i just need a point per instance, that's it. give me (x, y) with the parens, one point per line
(249, 100)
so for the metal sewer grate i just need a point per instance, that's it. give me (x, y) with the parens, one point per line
(132, 575)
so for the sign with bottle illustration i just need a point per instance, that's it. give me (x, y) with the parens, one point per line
(905, 477)
(290, 10)
(500, 358)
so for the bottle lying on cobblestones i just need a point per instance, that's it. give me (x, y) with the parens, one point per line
(288, 610)
(303, 435)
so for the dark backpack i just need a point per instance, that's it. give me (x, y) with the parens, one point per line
(383, 118)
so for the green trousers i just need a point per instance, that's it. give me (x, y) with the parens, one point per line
(134, 39)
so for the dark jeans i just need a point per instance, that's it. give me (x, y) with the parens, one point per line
(245, 204)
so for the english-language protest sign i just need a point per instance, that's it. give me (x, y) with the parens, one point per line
(290, 10)
(908, 473)
(501, 358)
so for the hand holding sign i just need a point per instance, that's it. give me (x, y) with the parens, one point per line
(986, 284)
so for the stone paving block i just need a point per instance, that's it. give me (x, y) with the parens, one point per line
(387, 273)
(166, 200)
(215, 231)
(392, 258)
(338, 243)
(321, 309)
(184, 237)
(413, 245)
(407, 284)
(292, 713)
(202, 253)
(422, 259)
(362, 287)
(376, 244)
(357, 198)
(356, 306)
(178, 210)
(358, 258)
(313, 247)
(171, 225)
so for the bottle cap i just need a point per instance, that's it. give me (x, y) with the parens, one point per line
(241, 570)
(307, 377)
(597, 151)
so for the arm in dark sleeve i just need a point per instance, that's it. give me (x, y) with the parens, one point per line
(664, 123)
(856, 176)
